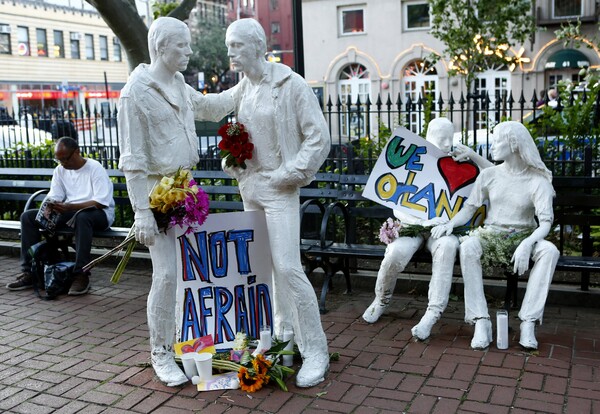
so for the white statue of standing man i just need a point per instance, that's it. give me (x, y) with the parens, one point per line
(291, 141)
(518, 191)
(440, 132)
(158, 136)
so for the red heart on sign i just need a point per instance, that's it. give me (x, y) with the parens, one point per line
(457, 174)
(198, 344)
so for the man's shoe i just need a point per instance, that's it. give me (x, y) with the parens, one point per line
(483, 334)
(24, 281)
(374, 311)
(422, 330)
(166, 368)
(313, 371)
(527, 338)
(80, 285)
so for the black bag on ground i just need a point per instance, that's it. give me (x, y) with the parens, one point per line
(58, 278)
(48, 271)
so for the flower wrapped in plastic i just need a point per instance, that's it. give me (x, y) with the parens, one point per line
(235, 144)
(392, 229)
(174, 200)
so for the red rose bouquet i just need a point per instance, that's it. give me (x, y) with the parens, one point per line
(235, 144)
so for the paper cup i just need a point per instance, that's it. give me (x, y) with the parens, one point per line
(204, 365)
(189, 364)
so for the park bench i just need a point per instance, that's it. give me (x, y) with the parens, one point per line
(576, 206)
(24, 188)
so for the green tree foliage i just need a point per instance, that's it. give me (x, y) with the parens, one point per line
(210, 52)
(478, 33)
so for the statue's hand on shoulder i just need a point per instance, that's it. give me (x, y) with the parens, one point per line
(442, 230)
(145, 228)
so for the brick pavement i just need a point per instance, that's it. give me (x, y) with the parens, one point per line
(89, 354)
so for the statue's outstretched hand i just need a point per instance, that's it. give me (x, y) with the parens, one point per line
(436, 221)
(442, 230)
(521, 257)
(145, 227)
(462, 152)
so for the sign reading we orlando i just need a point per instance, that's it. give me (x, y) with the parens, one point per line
(414, 176)
(224, 278)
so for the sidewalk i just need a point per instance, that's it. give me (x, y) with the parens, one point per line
(89, 354)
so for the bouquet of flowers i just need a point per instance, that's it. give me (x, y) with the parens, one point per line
(235, 144)
(179, 201)
(498, 246)
(255, 370)
(174, 200)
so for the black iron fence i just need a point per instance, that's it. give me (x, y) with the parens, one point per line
(358, 129)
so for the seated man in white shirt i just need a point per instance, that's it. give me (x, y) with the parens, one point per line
(77, 183)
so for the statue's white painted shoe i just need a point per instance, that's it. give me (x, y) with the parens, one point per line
(422, 330)
(527, 338)
(482, 338)
(313, 371)
(374, 311)
(166, 369)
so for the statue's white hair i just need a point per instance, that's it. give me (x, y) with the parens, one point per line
(161, 31)
(521, 142)
(252, 29)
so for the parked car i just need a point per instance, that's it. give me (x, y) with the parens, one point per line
(11, 135)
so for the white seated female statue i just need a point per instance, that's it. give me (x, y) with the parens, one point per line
(518, 191)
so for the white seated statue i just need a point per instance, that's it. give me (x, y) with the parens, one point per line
(443, 249)
(517, 191)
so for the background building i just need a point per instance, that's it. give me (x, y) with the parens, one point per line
(55, 55)
(369, 48)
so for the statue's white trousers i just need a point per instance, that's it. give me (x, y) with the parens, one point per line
(544, 255)
(295, 301)
(399, 253)
(161, 305)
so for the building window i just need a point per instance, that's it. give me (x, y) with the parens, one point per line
(351, 20)
(419, 80)
(23, 41)
(495, 84)
(275, 27)
(116, 50)
(89, 47)
(274, 4)
(5, 48)
(416, 16)
(354, 84)
(59, 44)
(566, 8)
(75, 53)
(42, 42)
(103, 48)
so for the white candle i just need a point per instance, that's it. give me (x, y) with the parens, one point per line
(288, 335)
(502, 329)
(265, 338)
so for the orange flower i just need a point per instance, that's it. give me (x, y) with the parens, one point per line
(250, 383)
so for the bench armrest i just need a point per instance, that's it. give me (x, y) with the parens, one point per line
(303, 209)
(32, 199)
(336, 205)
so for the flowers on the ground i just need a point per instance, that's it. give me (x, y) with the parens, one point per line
(392, 229)
(235, 144)
(174, 200)
(255, 371)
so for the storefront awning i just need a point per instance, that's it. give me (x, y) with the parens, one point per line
(567, 58)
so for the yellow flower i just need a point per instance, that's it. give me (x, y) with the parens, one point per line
(167, 182)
